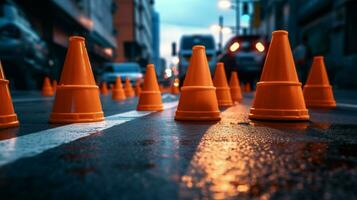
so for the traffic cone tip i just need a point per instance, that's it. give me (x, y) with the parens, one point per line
(71, 38)
(280, 32)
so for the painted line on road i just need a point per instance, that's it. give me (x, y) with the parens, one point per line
(35, 143)
(19, 100)
(346, 105)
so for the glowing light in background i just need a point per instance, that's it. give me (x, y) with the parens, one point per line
(215, 28)
(168, 72)
(108, 51)
(226, 30)
(259, 46)
(234, 47)
(224, 4)
(245, 21)
(175, 60)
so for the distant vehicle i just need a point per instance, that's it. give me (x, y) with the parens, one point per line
(185, 52)
(122, 70)
(21, 47)
(246, 55)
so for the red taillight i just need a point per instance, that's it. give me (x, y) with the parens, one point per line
(259, 46)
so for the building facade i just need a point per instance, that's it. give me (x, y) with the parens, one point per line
(56, 20)
(156, 44)
(133, 22)
(326, 25)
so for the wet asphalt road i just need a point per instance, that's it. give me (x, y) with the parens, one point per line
(155, 157)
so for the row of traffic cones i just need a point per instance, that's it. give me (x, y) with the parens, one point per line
(77, 95)
(279, 95)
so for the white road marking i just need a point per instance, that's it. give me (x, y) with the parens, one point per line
(346, 105)
(36, 143)
(19, 100)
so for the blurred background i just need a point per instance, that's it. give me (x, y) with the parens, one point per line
(122, 36)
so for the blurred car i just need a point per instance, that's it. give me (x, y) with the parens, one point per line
(185, 52)
(244, 54)
(128, 69)
(20, 45)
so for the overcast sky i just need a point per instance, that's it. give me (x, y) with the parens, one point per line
(178, 17)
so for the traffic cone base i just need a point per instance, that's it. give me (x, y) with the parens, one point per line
(150, 101)
(150, 95)
(225, 98)
(8, 121)
(77, 97)
(236, 94)
(193, 107)
(317, 90)
(129, 92)
(287, 106)
(317, 96)
(80, 97)
(118, 94)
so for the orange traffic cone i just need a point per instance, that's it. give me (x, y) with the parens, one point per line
(47, 89)
(128, 89)
(242, 86)
(223, 91)
(235, 88)
(279, 94)
(175, 89)
(118, 91)
(247, 87)
(111, 86)
(317, 90)
(161, 87)
(54, 85)
(77, 97)
(8, 117)
(104, 89)
(138, 87)
(198, 101)
(150, 96)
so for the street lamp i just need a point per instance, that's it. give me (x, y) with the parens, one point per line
(215, 28)
(229, 4)
(219, 28)
(224, 4)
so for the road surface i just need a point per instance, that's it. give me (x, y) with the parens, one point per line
(149, 155)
